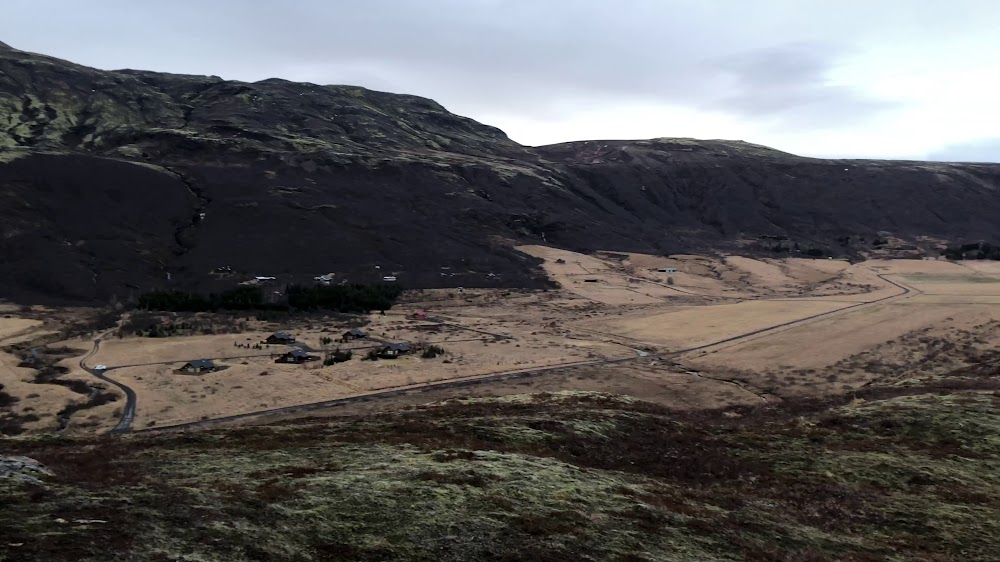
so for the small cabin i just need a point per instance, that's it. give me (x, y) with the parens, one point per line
(394, 350)
(353, 334)
(667, 270)
(280, 338)
(199, 366)
(296, 356)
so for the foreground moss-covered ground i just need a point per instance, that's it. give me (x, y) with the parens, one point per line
(899, 473)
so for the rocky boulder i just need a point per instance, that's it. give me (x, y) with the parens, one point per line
(23, 469)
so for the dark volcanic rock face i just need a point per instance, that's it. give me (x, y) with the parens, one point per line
(119, 182)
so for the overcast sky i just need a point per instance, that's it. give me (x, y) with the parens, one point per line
(853, 78)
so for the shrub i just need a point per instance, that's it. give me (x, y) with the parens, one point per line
(372, 355)
(432, 351)
(338, 356)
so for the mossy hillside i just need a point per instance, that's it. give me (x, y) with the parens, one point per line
(394, 500)
(569, 476)
(968, 421)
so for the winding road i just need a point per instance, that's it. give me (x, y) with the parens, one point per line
(128, 413)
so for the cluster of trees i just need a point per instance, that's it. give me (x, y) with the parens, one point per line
(974, 251)
(240, 298)
(432, 351)
(353, 297)
(340, 298)
(165, 330)
(814, 252)
(338, 356)
(159, 325)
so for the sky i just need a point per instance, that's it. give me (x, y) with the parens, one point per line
(915, 79)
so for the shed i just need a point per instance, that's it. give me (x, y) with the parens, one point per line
(280, 338)
(199, 366)
(667, 270)
(353, 334)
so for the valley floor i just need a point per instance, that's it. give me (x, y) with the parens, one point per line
(685, 332)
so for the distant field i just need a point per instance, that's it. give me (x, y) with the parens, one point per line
(955, 284)
(12, 326)
(701, 325)
(825, 341)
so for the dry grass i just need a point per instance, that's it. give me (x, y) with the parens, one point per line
(700, 325)
(10, 327)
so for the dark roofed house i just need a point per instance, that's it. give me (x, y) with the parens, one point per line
(353, 334)
(280, 338)
(199, 366)
(296, 356)
(394, 350)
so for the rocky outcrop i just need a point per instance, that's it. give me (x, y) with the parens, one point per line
(23, 469)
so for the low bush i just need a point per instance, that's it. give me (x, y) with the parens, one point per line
(338, 356)
(432, 351)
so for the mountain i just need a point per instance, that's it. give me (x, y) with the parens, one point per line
(125, 181)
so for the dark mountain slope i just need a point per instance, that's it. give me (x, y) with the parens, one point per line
(296, 179)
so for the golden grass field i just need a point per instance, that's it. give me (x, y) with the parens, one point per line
(626, 306)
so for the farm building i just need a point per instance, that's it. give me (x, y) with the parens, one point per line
(199, 366)
(353, 334)
(280, 338)
(296, 356)
(667, 270)
(394, 350)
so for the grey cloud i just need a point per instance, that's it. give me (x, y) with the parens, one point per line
(524, 56)
(981, 150)
(790, 83)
